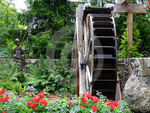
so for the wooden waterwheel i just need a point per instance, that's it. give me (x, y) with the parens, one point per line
(96, 51)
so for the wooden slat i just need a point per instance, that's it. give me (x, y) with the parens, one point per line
(79, 26)
(104, 36)
(126, 8)
(88, 74)
(104, 90)
(112, 69)
(85, 38)
(122, 1)
(101, 15)
(130, 32)
(104, 57)
(118, 93)
(99, 80)
(103, 28)
(104, 47)
(92, 54)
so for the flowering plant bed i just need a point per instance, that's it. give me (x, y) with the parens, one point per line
(31, 103)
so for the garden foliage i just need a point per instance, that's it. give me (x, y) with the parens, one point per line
(28, 102)
(8, 78)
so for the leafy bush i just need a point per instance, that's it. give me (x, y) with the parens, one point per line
(43, 75)
(8, 79)
(52, 104)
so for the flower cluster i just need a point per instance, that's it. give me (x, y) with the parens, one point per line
(2, 98)
(31, 88)
(111, 104)
(148, 6)
(40, 103)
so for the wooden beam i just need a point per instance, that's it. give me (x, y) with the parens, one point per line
(130, 32)
(122, 1)
(129, 8)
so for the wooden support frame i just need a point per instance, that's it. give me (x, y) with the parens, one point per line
(122, 1)
(129, 8)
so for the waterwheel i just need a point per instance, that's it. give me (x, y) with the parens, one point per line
(96, 51)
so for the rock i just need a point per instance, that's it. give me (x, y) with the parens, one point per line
(137, 94)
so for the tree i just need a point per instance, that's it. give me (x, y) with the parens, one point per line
(8, 22)
(51, 15)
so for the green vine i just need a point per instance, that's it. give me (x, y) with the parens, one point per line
(135, 44)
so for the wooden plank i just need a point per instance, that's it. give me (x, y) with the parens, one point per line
(79, 26)
(87, 84)
(130, 31)
(127, 8)
(122, 1)
(77, 67)
(118, 93)
(85, 37)
(92, 54)
(77, 71)
(88, 74)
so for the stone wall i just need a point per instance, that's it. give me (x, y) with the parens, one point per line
(27, 61)
(135, 83)
(136, 66)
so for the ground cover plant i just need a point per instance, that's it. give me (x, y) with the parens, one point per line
(29, 102)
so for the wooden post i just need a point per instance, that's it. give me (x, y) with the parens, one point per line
(130, 32)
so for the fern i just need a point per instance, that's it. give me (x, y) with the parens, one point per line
(41, 76)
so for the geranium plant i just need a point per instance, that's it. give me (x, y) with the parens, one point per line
(39, 103)
(148, 6)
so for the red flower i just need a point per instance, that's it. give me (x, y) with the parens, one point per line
(107, 101)
(54, 97)
(83, 99)
(83, 94)
(88, 95)
(69, 103)
(82, 106)
(107, 105)
(43, 102)
(28, 103)
(36, 100)
(51, 105)
(94, 108)
(115, 103)
(6, 98)
(50, 97)
(112, 107)
(148, 4)
(66, 95)
(2, 100)
(41, 95)
(91, 97)
(4, 111)
(33, 106)
(20, 93)
(29, 93)
(95, 100)
(2, 91)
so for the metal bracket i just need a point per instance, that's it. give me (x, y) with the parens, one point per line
(83, 64)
